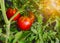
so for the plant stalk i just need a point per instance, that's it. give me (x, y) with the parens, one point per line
(7, 32)
(7, 22)
(0, 9)
(3, 12)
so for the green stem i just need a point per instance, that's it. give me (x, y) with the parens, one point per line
(41, 38)
(7, 32)
(7, 22)
(14, 16)
(26, 36)
(0, 9)
(0, 2)
(3, 11)
(13, 22)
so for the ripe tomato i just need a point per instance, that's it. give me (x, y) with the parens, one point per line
(24, 23)
(31, 16)
(10, 12)
(50, 8)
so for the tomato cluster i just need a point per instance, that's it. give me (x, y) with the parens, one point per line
(23, 22)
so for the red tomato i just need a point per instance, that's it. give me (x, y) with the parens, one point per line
(24, 23)
(10, 12)
(31, 16)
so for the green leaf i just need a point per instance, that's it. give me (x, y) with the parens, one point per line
(52, 41)
(52, 34)
(21, 41)
(17, 36)
(21, 36)
(10, 38)
(45, 36)
(0, 30)
(37, 41)
(57, 26)
(57, 40)
(34, 30)
(39, 19)
(32, 37)
(25, 35)
(39, 29)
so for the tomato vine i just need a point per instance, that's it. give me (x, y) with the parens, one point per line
(31, 27)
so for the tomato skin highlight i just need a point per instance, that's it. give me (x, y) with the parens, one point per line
(24, 23)
(10, 12)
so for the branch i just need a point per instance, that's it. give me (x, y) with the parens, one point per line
(7, 32)
(5, 19)
(14, 16)
(3, 11)
(20, 10)
(0, 1)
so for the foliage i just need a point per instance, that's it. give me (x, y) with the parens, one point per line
(40, 31)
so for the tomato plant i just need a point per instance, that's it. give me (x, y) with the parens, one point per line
(30, 21)
(24, 23)
(10, 12)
